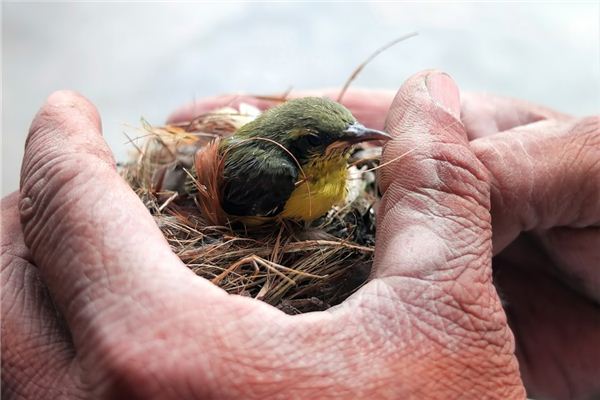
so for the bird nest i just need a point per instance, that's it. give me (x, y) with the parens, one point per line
(296, 267)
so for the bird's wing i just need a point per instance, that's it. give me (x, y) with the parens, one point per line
(257, 183)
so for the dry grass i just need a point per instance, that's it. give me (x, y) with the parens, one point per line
(294, 267)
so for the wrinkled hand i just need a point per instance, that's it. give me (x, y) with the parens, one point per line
(544, 171)
(137, 323)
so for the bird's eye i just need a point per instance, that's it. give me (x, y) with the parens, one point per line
(314, 140)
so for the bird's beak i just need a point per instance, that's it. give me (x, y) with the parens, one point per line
(357, 133)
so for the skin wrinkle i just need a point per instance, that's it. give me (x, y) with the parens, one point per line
(441, 324)
(36, 193)
(48, 155)
(385, 229)
(32, 388)
(388, 123)
(31, 171)
(66, 182)
(460, 366)
(41, 335)
(425, 187)
(445, 212)
(41, 349)
(221, 350)
(378, 309)
(95, 308)
(472, 310)
(77, 233)
(533, 218)
(37, 331)
(38, 375)
(454, 175)
(559, 141)
(466, 373)
(353, 349)
(466, 308)
(371, 314)
(587, 137)
(60, 180)
(8, 275)
(449, 303)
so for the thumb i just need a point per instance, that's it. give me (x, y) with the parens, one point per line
(434, 211)
(433, 248)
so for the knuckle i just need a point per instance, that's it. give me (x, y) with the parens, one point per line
(442, 162)
(449, 173)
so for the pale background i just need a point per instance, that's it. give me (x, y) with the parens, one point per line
(145, 59)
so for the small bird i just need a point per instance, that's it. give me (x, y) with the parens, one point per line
(291, 162)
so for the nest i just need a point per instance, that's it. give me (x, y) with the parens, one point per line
(293, 266)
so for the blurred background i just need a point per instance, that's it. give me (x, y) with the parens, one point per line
(145, 59)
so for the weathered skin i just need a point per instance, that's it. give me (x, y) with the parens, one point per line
(138, 324)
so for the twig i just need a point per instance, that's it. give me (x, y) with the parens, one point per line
(368, 60)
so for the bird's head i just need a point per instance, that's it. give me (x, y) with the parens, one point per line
(310, 127)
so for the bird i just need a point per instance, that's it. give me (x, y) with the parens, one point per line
(291, 162)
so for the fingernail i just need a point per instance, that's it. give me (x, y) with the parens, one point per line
(444, 92)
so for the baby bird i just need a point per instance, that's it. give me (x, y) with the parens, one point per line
(291, 162)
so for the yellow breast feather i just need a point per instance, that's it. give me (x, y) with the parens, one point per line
(324, 187)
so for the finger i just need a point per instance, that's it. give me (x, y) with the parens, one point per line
(438, 192)
(96, 245)
(543, 175)
(37, 356)
(368, 106)
(484, 114)
(431, 281)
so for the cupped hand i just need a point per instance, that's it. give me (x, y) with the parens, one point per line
(137, 323)
(544, 171)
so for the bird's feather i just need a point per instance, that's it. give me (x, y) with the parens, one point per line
(257, 182)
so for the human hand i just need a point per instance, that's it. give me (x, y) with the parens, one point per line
(549, 277)
(545, 176)
(375, 328)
